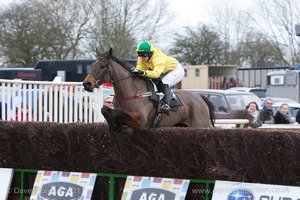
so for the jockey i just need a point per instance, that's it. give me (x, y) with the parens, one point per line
(154, 64)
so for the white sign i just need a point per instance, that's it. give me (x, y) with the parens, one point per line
(151, 188)
(6, 175)
(63, 185)
(226, 190)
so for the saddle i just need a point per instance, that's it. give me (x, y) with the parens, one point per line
(156, 96)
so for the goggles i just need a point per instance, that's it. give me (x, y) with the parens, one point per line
(142, 54)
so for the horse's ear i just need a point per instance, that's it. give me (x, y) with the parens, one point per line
(98, 53)
(109, 55)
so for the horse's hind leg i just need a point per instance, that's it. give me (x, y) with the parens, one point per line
(200, 121)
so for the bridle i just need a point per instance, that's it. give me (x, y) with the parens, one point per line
(106, 67)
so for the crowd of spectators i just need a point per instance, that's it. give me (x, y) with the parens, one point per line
(269, 116)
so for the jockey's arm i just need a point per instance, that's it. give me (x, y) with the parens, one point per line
(155, 73)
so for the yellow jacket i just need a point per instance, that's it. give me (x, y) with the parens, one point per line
(159, 64)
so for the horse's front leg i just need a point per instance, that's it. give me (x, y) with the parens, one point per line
(108, 114)
(118, 117)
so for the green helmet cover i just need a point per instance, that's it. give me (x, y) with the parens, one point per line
(144, 46)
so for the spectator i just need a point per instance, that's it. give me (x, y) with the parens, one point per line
(298, 116)
(283, 116)
(232, 82)
(266, 115)
(108, 102)
(253, 110)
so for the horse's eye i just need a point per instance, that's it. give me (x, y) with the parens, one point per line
(102, 66)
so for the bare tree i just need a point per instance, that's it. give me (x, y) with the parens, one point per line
(257, 51)
(120, 24)
(41, 29)
(231, 24)
(59, 29)
(70, 27)
(276, 19)
(198, 46)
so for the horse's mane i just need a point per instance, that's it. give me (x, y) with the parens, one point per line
(125, 65)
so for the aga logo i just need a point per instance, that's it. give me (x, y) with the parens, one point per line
(61, 191)
(152, 194)
(241, 195)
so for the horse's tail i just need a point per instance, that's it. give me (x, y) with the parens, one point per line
(211, 109)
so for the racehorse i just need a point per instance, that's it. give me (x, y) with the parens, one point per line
(133, 106)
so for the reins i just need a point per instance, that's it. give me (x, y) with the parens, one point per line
(128, 98)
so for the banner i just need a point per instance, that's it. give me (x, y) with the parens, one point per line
(57, 185)
(6, 175)
(226, 190)
(145, 188)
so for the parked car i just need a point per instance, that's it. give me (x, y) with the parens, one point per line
(260, 92)
(227, 102)
(281, 100)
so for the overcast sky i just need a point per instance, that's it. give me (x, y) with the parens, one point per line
(190, 12)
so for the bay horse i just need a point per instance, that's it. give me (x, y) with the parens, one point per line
(132, 105)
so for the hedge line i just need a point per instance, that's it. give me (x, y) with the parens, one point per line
(250, 155)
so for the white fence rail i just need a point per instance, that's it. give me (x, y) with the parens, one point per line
(230, 123)
(49, 102)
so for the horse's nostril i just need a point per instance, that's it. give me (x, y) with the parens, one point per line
(87, 85)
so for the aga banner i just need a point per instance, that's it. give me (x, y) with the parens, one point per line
(145, 188)
(63, 185)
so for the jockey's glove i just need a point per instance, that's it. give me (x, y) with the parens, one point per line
(138, 72)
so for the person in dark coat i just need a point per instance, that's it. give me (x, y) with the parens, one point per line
(298, 116)
(283, 116)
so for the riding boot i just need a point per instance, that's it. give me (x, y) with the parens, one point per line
(167, 95)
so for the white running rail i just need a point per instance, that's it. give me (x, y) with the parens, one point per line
(49, 102)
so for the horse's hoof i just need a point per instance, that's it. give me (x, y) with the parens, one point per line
(126, 130)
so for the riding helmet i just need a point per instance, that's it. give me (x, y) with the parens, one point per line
(144, 46)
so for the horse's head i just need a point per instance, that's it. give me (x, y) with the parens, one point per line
(100, 71)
